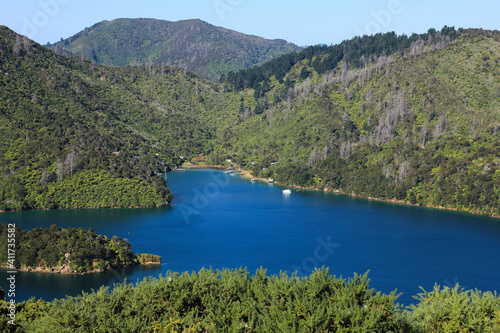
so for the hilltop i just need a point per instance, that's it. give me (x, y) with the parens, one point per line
(193, 44)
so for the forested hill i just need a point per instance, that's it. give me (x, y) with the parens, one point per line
(414, 119)
(192, 44)
(76, 134)
(358, 52)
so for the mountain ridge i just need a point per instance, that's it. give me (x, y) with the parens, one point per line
(193, 44)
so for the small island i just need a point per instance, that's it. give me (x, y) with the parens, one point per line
(67, 251)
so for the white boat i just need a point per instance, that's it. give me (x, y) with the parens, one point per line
(270, 180)
(253, 180)
(181, 169)
(287, 191)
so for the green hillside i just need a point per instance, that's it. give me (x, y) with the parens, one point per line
(193, 44)
(70, 128)
(417, 125)
(406, 118)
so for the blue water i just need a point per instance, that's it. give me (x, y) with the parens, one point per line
(221, 221)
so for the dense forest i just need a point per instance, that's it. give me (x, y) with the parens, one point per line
(193, 44)
(407, 118)
(68, 250)
(419, 125)
(235, 301)
(70, 128)
(358, 52)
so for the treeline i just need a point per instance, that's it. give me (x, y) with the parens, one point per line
(99, 189)
(356, 53)
(68, 250)
(234, 301)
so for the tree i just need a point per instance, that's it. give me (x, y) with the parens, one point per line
(258, 109)
(17, 45)
(45, 178)
(70, 162)
(59, 170)
(304, 73)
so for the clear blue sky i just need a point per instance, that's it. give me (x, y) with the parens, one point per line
(300, 22)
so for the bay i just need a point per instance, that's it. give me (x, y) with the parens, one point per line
(224, 221)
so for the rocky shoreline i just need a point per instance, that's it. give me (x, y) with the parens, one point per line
(65, 269)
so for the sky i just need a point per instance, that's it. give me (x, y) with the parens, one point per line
(298, 21)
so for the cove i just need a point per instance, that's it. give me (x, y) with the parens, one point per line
(219, 221)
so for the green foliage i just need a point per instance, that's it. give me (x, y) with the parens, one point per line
(27, 311)
(235, 301)
(71, 250)
(419, 125)
(148, 258)
(228, 301)
(99, 190)
(211, 51)
(62, 117)
(355, 52)
(455, 310)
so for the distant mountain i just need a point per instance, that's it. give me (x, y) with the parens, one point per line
(193, 44)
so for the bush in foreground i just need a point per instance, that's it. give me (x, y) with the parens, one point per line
(234, 301)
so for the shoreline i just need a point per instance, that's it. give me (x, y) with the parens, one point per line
(75, 208)
(63, 269)
(248, 174)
